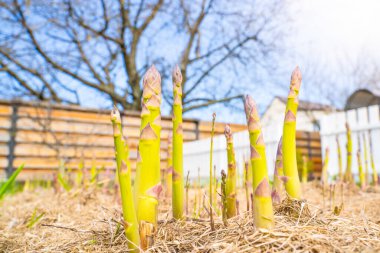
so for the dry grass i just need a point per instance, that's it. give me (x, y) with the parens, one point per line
(89, 221)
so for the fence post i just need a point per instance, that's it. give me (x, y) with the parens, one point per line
(12, 140)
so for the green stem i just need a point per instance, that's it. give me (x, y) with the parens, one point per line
(148, 180)
(292, 185)
(231, 175)
(124, 175)
(262, 201)
(178, 188)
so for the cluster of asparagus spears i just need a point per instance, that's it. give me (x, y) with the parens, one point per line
(140, 203)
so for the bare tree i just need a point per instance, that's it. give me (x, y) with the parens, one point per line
(51, 49)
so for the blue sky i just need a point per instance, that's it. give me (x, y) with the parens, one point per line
(325, 38)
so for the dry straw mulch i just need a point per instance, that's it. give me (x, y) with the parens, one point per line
(89, 221)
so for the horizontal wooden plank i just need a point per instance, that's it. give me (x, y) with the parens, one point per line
(52, 163)
(5, 110)
(305, 134)
(4, 135)
(78, 139)
(219, 127)
(5, 122)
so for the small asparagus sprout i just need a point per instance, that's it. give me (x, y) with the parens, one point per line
(361, 172)
(262, 201)
(231, 174)
(278, 177)
(292, 185)
(169, 169)
(348, 176)
(304, 169)
(365, 159)
(124, 176)
(211, 177)
(148, 186)
(374, 172)
(224, 197)
(246, 182)
(324, 177)
(340, 175)
(187, 185)
(178, 188)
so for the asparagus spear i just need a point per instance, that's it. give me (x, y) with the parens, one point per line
(263, 209)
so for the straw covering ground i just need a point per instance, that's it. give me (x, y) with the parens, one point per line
(90, 221)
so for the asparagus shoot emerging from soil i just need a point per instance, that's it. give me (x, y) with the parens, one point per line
(278, 177)
(374, 172)
(148, 186)
(362, 180)
(224, 198)
(292, 185)
(211, 176)
(262, 201)
(178, 188)
(231, 174)
(365, 159)
(169, 169)
(246, 183)
(325, 168)
(304, 169)
(348, 176)
(124, 176)
(340, 175)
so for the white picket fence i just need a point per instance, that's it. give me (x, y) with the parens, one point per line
(363, 121)
(197, 153)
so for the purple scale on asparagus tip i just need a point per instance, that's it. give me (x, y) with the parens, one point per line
(177, 76)
(155, 191)
(296, 79)
(152, 82)
(123, 167)
(289, 116)
(260, 140)
(115, 114)
(263, 189)
(228, 132)
(148, 133)
(254, 153)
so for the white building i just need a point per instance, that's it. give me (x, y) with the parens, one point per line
(308, 115)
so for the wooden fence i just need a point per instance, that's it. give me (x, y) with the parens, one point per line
(43, 135)
(365, 126)
(196, 153)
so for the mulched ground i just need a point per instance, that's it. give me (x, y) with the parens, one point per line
(88, 220)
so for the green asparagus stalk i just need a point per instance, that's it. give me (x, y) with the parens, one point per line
(292, 185)
(246, 183)
(169, 169)
(224, 198)
(263, 209)
(211, 176)
(374, 172)
(340, 175)
(362, 180)
(178, 188)
(325, 168)
(124, 175)
(278, 177)
(231, 174)
(187, 186)
(361, 172)
(304, 169)
(348, 176)
(365, 159)
(148, 186)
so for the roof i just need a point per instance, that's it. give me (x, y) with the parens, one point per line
(363, 98)
(309, 106)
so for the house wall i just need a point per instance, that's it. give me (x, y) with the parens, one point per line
(274, 115)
